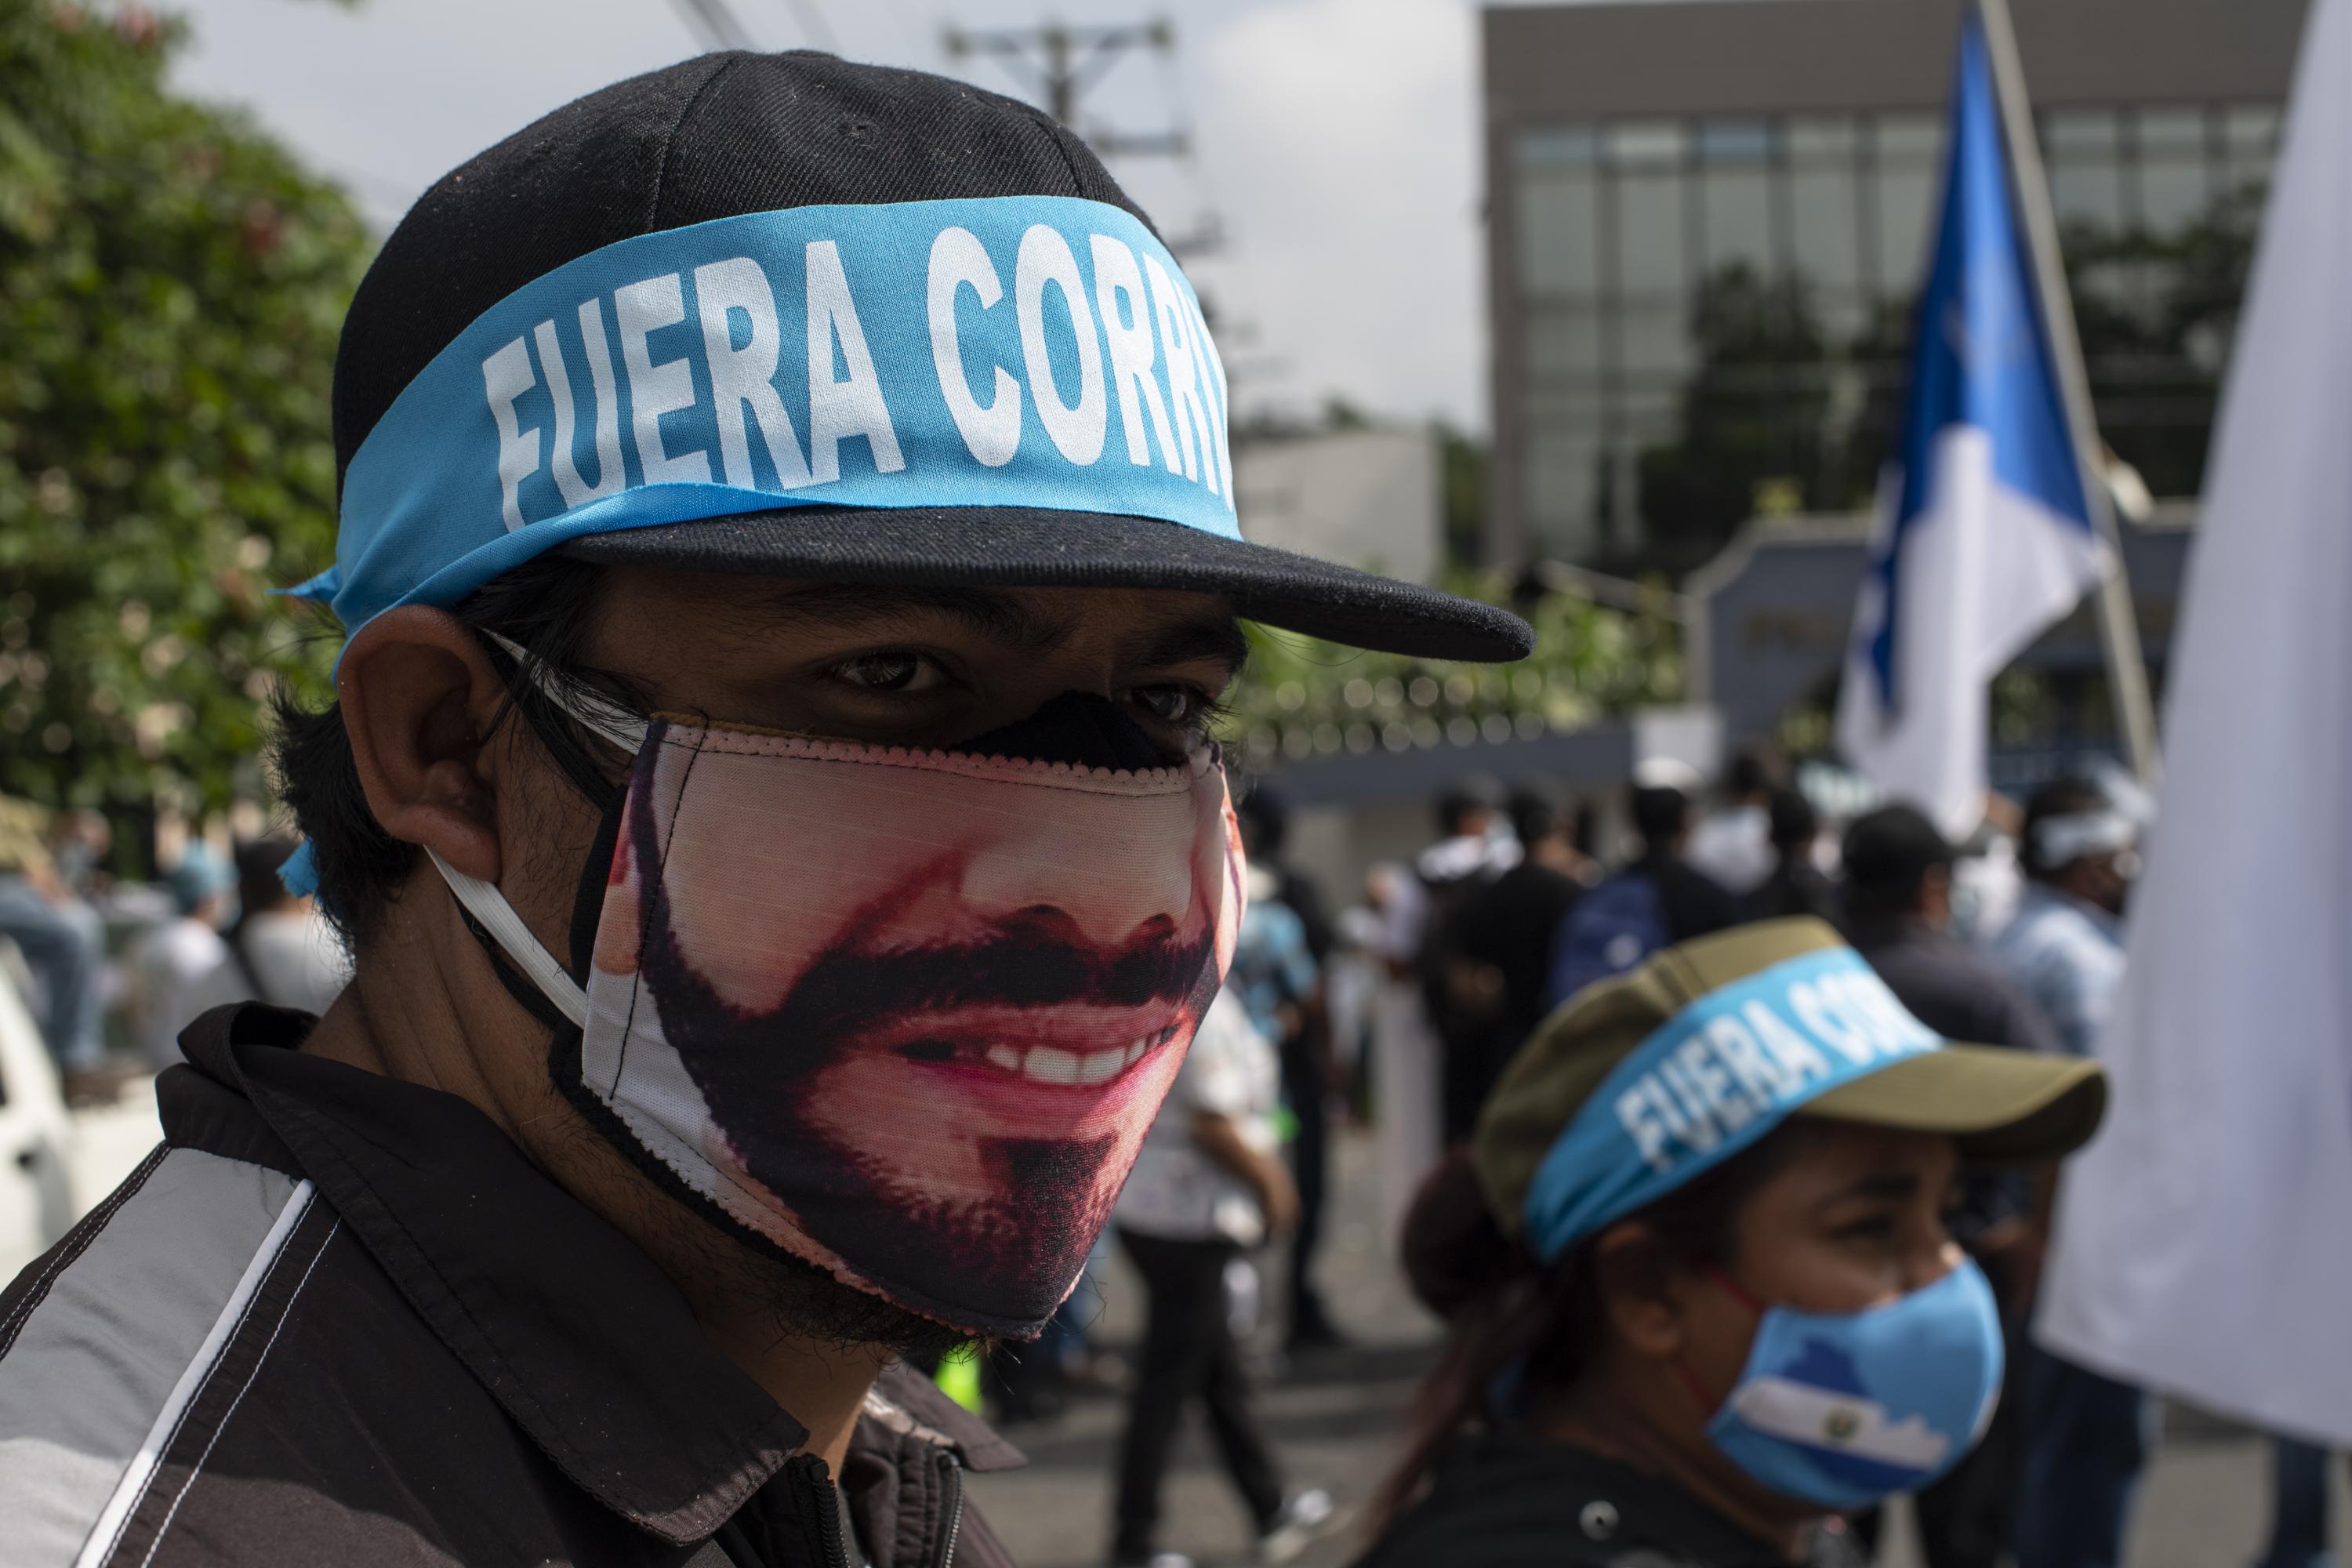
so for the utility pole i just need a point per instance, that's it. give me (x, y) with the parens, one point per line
(1062, 62)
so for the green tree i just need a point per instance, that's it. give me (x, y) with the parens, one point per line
(1752, 412)
(1301, 698)
(172, 282)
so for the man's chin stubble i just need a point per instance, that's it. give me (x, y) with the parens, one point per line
(721, 1275)
(800, 1302)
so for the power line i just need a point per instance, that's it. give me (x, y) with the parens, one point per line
(1063, 62)
(713, 24)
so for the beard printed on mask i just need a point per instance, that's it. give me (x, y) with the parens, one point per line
(905, 1015)
(1009, 1031)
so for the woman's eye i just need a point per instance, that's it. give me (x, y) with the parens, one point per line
(893, 672)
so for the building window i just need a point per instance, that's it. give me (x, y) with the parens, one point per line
(1798, 242)
(1560, 232)
(1651, 259)
(1735, 177)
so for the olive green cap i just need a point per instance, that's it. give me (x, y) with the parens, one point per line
(2003, 1106)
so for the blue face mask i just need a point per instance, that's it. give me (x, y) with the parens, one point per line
(1845, 1409)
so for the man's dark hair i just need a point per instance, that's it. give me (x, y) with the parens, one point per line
(1752, 773)
(1661, 814)
(1464, 797)
(1264, 817)
(1795, 823)
(1887, 857)
(1535, 815)
(543, 606)
(2061, 797)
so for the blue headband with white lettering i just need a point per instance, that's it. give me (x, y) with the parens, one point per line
(1015, 350)
(1711, 1081)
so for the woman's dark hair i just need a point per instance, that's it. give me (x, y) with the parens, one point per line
(543, 607)
(1515, 1320)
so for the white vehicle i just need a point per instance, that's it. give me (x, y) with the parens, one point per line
(36, 1197)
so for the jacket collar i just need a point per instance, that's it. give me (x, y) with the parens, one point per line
(580, 1339)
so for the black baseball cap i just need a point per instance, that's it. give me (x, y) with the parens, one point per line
(730, 134)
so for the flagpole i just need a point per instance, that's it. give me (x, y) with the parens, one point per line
(2118, 629)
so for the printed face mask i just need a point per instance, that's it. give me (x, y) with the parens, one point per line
(1848, 1409)
(905, 1015)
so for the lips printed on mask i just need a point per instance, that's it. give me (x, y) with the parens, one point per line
(907, 1016)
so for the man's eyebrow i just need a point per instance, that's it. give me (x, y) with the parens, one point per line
(849, 607)
(1213, 637)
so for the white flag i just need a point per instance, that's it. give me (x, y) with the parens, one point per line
(2204, 1241)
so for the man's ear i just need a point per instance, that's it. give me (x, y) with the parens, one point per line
(419, 699)
(1642, 1293)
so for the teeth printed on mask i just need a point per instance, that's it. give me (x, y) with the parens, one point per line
(1046, 1065)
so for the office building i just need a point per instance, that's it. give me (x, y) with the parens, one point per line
(1706, 221)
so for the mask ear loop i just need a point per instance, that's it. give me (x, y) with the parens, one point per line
(486, 903)
(495, 915)
(1708, 1403)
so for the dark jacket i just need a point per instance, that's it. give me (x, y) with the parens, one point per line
(1794, 887)
(1507, 926)
(1694, 903)
(1951, 989)
(1499, 1501)
(338, 1319)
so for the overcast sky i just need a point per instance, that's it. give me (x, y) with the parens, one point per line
(1337, 143)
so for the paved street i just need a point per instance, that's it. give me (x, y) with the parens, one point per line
(1336, 1418)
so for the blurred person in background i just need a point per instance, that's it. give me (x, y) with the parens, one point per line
(1413, 1020)
(1655, 902)
(1278, 962)
(183, 968)
(2065, 943)
(80, 843)
(1206, 1185)
(63, 943)
(1701, 1297)
(283, 949)
(1898, 893)
(1732, 844)
(2086, 1436)
(1797, 885)
(1495, 951)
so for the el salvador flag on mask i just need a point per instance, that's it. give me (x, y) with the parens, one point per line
(1985, 534)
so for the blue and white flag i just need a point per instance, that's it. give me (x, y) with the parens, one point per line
(1985, 534)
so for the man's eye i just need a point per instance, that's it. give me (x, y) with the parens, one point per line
(895, 672)
(1169, 704)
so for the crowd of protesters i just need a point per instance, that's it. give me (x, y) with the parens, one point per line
(112, 968)
(2013, 940)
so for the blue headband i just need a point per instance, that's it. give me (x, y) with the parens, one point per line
(1015, 350)
(1711, 1081)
